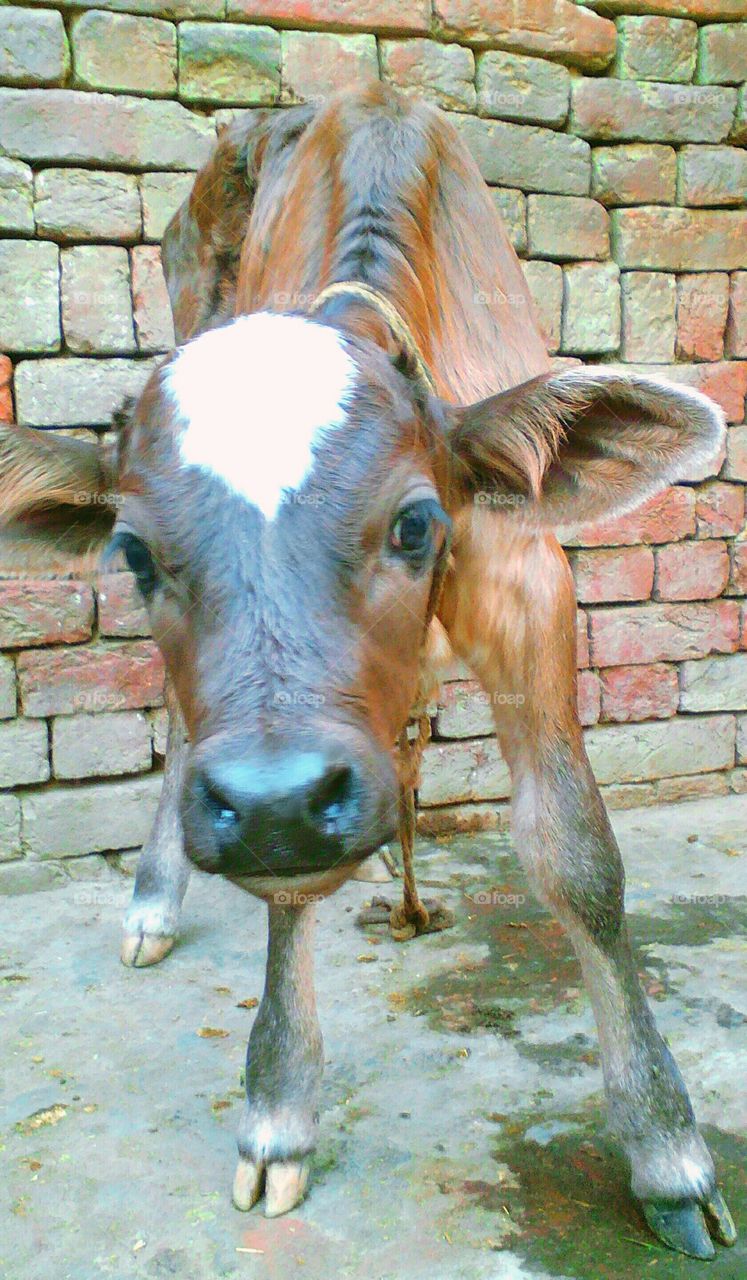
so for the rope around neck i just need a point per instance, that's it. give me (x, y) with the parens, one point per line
(394, 318)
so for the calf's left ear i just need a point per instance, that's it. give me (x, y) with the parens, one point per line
(57, 500)
(566, 449)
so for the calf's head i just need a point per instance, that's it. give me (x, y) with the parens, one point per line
(284, 495)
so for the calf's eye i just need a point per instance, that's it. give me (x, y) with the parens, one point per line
(411, 530)
(412, 535)
(139, 560)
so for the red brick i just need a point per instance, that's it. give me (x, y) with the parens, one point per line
(736, 454)
(736, 329)
(567, 227)
(712, 10)
(6, 394)
(94, 746)
(666, 517)
(663, 632)
(725, 381)
(722, 53)
(658, 239)
(691, 571)
(739, 568)
(442, 73)
(678, 790)
(656, 48)
(472, 769)
(644, 173)
(462, 819)
(624, 574)
(645, 692)
(661, 748)
(629, 111)
(91, 678)
(589, 697)
(582, 639)
(528, 157)
(121, 608)
(160, 730)
(545, 281)
(555, 28)
(702, 306)
(719, 509)
(111, 129)
(44, 612)
(152, 311)
(649, 302)
(316, 63)
(711, 176)
(464, 711)
(350, 15)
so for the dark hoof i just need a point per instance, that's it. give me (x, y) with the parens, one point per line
(681, 1226)
(720, 1221)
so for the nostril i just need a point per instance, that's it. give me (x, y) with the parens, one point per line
(327, 801)
(222, 812)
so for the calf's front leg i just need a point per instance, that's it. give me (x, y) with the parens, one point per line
(284, 1064)
(152, 918)
(517, 631)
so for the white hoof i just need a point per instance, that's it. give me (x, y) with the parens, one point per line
(149, 933)
(284, 1183)
(373, 869)
(141, 949)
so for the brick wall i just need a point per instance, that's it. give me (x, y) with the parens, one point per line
(615, 147)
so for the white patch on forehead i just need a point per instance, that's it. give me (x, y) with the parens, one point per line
(256, 396)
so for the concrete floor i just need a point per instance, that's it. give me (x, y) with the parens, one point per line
(462, 1124)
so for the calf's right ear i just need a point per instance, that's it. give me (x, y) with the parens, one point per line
(568, 449)
(57, 500)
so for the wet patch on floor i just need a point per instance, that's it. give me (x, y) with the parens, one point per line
(561, 1197)
(530, 966)
(577, 1217)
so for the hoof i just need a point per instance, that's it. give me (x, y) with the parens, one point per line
(283, 1182)
(684, 1225)
(373, 870)
(720, 1221)
(142, 949)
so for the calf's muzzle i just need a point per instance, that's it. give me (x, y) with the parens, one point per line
(285, 812)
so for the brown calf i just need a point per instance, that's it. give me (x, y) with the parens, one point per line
(293, 483)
